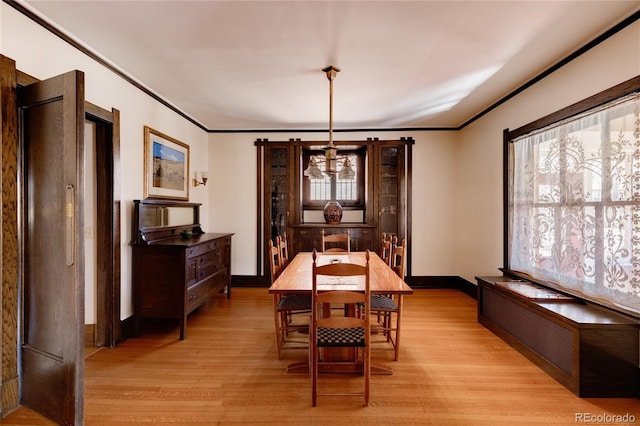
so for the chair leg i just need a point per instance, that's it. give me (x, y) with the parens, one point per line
(398, 322)
(386, 323)
(389, 329)
(313, 358)
(284, 325)
(393, 332)
(366, 365)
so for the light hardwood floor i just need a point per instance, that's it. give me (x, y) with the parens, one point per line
(452, 371)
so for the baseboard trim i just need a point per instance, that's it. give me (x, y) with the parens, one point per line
(250, 281)
(89, 334)
(126, 329)
(445, 281)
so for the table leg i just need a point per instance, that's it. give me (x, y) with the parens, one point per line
(398, 322)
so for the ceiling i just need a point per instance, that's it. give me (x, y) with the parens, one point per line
(256, 65)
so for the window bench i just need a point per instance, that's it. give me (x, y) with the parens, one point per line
(591, 350)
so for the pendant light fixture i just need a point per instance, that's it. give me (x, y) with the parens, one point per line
(333, 209)
(330, 151)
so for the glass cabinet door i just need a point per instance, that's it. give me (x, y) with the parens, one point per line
(389, 190)
(278, 184)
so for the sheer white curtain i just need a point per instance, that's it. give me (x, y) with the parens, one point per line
(574, 204)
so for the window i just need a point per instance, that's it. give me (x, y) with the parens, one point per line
(574, 204)
(318, 185)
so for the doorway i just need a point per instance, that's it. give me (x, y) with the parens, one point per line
(102, 230)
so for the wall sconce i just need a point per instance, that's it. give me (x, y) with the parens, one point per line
(201, 178)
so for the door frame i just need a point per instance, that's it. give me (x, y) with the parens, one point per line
(108, 330)
(9, 248)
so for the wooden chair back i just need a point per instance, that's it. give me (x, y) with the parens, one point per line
(284, 250)
(397, 258)
(385, 253)
(329, 242)
(274, 260)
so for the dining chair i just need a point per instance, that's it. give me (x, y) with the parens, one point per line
(330, 329)
(385, 255)
(386, 307)
(284, 249)
(336, 243)
(385, 252)
(289, 309)
(397, 257)
(275, 266)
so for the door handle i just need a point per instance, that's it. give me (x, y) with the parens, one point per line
(70, 206)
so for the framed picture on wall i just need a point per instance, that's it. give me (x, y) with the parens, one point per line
(166, 166)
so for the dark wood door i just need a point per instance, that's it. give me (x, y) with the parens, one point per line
(52, 369)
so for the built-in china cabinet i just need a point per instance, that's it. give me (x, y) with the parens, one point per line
(293, 189)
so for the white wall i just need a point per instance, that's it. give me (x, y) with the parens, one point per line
(232, 159)
(435, 171)
(42, 55)
(479, 204)
(232, 194)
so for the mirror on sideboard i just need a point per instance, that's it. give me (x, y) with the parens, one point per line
(154, 216)
(157, 214)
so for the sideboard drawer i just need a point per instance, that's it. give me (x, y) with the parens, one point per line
(209, 269)
(202, 248)
(210, 257)
(197, 295)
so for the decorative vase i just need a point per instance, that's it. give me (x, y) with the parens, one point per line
(333, 213)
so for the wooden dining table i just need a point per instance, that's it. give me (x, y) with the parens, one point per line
(297, 279)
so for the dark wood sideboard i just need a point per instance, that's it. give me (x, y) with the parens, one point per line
(174, 272)
(591, 350)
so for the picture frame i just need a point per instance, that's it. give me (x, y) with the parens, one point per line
(166, 166)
